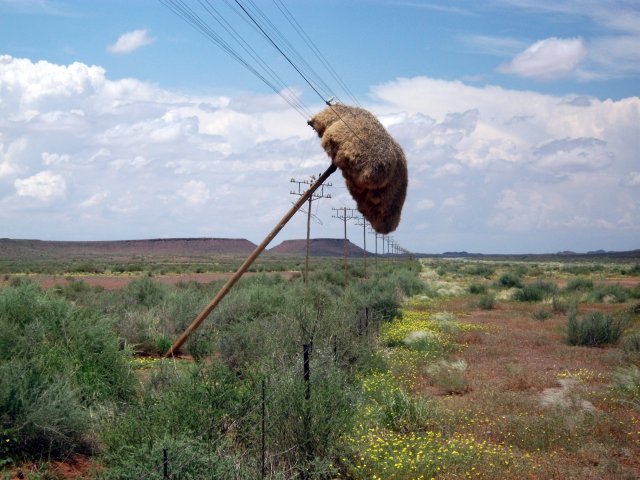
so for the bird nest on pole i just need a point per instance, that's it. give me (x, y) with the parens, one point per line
(372, 163)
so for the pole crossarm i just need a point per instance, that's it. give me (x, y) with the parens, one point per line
(312, 197)
(247, 263)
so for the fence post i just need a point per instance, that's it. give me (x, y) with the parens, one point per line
(263, 462)
(165, 464)
(306, 372)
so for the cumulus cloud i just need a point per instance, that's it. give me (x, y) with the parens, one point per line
(633, 180)
(126, 159)
(194, 192)
(573, 154)
(548, 59)
(131, 41)
(425, 204)
(44, 185)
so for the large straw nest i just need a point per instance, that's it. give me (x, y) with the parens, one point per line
(372, 163)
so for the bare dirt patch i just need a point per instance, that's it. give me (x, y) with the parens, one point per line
(512, 364)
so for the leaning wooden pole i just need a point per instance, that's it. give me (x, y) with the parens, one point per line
(247, 263)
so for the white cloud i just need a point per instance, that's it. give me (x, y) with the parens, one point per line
(44, 185)
(94, 200)
(456, 201)
(9, 155)
(485, 163)
(425, 204)
(573, 154)
(131, 41)
(195, 192)
(54, 158)
(633, 180)
(493, 45)
(548, 59)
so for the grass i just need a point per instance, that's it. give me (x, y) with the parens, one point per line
(431, 385)
(594, 329)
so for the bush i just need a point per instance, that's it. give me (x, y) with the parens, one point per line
(57, 360)
(187, 412)
(510, 280)
(579, 284)
(627, 382)
(487, 302)
(449, 376)
(612, 293)
(477, 289)
(145, 291)
(535, 292)
(558, 305)
(631, 343)
(633, 271)
(594, 329)
(481, 270)
(541, 314)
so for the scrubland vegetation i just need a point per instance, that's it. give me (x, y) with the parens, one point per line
(439, 369)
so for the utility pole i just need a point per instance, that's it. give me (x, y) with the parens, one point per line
(371, 230)
(317, 195)
(345, 214)
(360, 220)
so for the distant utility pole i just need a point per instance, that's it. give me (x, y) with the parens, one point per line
(317, 195)
(389, 242)
(360, 220)
(371, 230)
(345, 214)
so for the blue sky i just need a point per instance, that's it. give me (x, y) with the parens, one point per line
(520, 120)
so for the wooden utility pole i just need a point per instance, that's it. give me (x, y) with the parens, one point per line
(247, 263)
(314, 196)
(361, 221)
(345, 214)
(371, 230)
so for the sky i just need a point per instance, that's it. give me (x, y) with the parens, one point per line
(520, 120)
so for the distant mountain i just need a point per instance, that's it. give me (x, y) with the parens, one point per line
(161, 247)
(319, 247)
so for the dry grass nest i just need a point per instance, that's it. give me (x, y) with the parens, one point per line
(371, 161)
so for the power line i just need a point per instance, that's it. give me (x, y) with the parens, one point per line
(305, 37)
(279, 49)
(188, 14)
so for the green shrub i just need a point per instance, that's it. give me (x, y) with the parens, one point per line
(187, 412)
(541, 314)
(57, 360)
(481, 270)
(579, 284)
(535, 292)
(145, 291)
(558, 305)
(593, 329)
(476, 288)
(449, 376)
(631, 343)
(509, 280)
(633, 271)
(582, 269)
(487, 302)
(627, 382)
(612, 293)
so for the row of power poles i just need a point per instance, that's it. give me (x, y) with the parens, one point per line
(344, 214)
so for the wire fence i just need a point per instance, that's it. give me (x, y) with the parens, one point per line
(277, 426)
